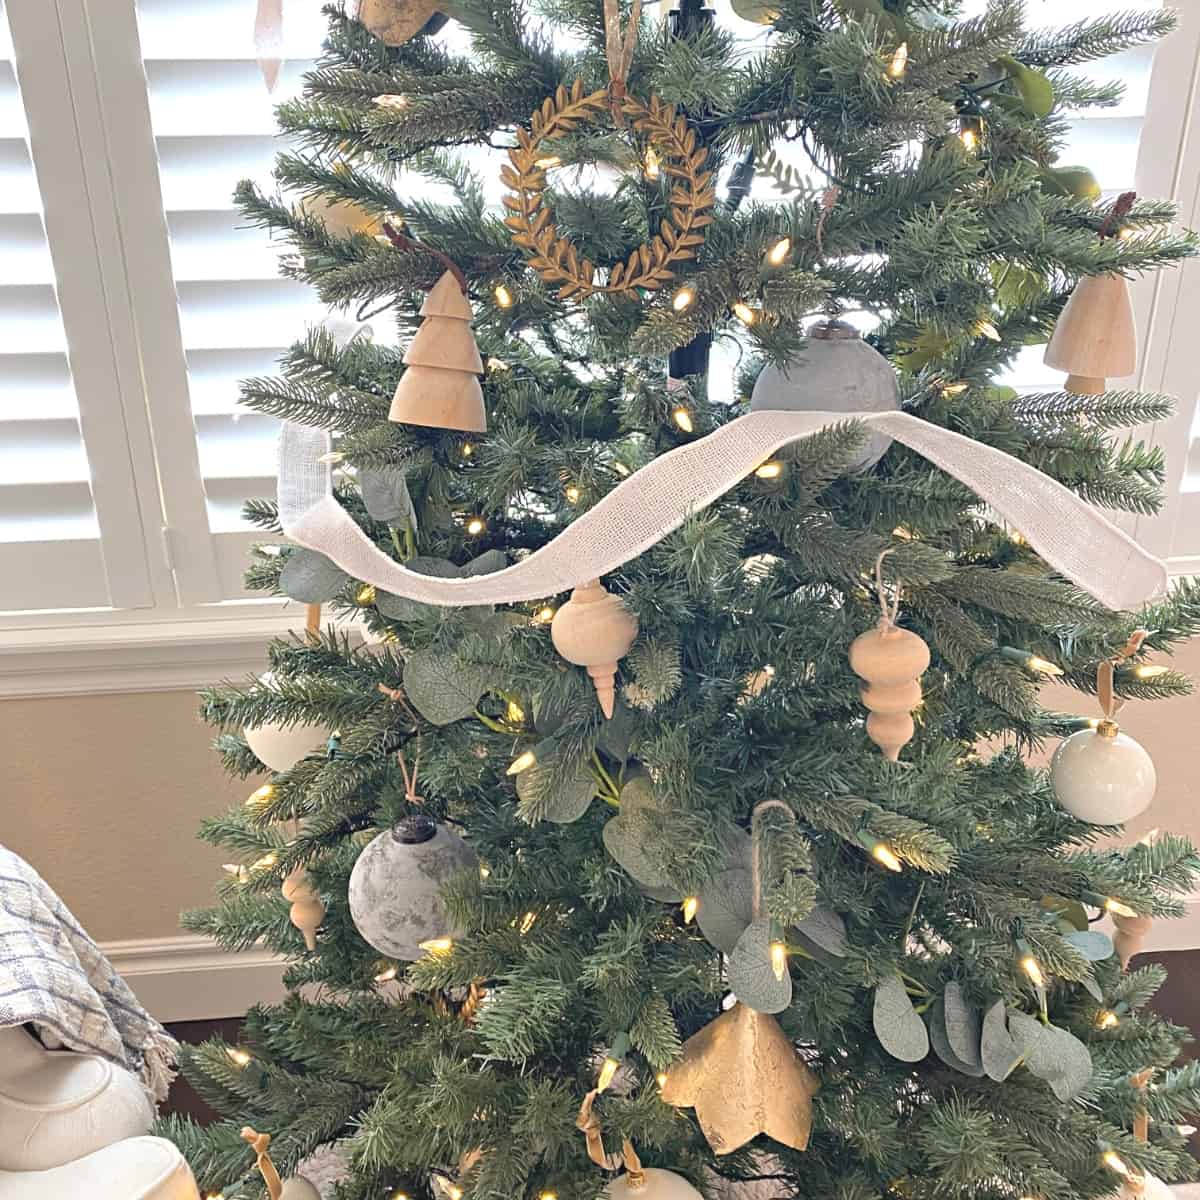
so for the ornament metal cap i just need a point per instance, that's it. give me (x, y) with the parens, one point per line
(412, 831)
(832, 329)
(1108, 728)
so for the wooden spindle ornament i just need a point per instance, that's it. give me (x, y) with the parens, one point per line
(307, 911)
(595, 630)
(1129, 936)
(892, 661)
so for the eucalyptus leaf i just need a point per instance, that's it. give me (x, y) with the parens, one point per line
(1070, 910)
(941, 1042)
(400, 608)
(385, 496)
(616, 734)
(898, 1026)
(826, 930)
(310, 577)
(751, 974)
(1053, 1054)
(726, 907)
(545, 795)
(962, 1025)
(441, 687)
(484, 564)
(1092, 988)
(1034, 87)
(1093, 945)
(999, 1053)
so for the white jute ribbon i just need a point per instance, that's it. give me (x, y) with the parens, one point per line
(1071, 536)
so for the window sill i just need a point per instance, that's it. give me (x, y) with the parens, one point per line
(107, 653)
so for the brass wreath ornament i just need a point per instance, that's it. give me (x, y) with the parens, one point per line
(532, 223)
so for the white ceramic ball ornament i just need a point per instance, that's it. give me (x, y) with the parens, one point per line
(1102, 775)
(299, 1188)
(651, 1183)
(395, 887)
(836, 372)
(280, 747)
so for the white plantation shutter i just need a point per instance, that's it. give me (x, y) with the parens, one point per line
(213, 124)
(70, 524)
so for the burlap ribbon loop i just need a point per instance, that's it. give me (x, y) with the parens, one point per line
(589, 1125)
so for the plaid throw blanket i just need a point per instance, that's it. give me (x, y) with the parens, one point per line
(54, 976)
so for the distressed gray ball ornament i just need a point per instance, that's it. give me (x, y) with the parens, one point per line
(836, 372)
(395, 887)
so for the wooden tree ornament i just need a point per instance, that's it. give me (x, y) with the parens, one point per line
(441, 388)
(892, 661)
(1094, 339)
(594, 629)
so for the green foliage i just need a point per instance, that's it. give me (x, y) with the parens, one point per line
(738, 688)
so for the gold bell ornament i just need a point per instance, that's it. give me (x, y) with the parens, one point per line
(1094, 339)
(743, 1076)
(594, 629)
(892, 661)
(307, 911)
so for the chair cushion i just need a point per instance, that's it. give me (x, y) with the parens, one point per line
(139, 1168)
(56, 1106)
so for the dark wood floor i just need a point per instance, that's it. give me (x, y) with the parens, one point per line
(1179, 1001)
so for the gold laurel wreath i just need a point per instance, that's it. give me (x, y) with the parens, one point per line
(532, 223)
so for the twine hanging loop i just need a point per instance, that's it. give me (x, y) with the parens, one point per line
(618, 49)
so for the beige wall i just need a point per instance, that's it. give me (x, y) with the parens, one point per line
(103, 795)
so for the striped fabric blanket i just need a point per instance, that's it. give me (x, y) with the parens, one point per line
(53, 976)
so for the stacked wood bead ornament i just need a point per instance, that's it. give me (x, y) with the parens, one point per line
(307, 911)
(1102, 775)
(892, 661)
(395, 887)
(1094, 339)
(594, 629)
(441, 388)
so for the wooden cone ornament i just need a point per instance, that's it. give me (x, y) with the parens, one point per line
(594, 629)
(892, 661)
(1094, 339)
(307, 911)
(441, 388)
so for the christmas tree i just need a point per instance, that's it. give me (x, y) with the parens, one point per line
(516, 925)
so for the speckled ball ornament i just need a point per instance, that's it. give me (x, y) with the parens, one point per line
(395, 887)
(1102, 775)
(651, 1183)
(836, 372)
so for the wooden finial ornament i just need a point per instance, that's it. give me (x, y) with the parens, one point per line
(1094, 339)
(594, 629)
(307, 911)
(892, 661)
(1129, 936)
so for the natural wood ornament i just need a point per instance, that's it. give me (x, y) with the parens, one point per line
(394, 22)
(892, 661)
(594, 629)
(1129, 936)
(441, 388)
(307, 911)
(743, 1076)
(1094, 339)
(652, 264)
